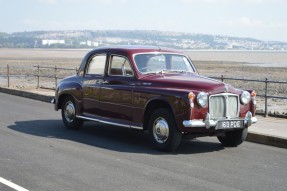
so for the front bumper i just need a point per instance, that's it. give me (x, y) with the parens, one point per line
(208, 123)
(54, 102)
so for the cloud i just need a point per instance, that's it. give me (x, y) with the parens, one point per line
(53, 2)
(254, 23)
(30, 22)
(231, 1)
(49, 2)
(34, 24)
(245, 21)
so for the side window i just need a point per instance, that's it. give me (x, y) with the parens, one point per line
(97, 65)
(120, 66)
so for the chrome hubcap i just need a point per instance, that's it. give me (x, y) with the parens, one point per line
(160, 130)
(70, 111)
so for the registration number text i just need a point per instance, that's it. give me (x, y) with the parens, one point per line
(229, 124)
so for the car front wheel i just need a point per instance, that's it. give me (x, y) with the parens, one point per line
(163, 131)
(69, 114)
(233, 138)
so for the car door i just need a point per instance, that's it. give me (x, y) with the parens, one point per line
(93, 78)
(116, 91)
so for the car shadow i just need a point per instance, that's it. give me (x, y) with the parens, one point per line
(108, 137)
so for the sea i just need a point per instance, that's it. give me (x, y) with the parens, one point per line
(254, 58)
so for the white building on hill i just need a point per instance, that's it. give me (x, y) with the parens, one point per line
(50, 42)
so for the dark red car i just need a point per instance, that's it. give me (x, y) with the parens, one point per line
(154, 89)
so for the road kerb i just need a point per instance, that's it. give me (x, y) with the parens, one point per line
(31, 95)
(266, 140)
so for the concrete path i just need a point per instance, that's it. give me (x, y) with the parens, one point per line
(270, 131)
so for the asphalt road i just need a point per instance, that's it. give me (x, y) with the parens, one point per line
(38, 153)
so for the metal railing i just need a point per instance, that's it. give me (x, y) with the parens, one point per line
(54, 76)
(56, 73)
(6, 72)
(37, 72)
(266, 96)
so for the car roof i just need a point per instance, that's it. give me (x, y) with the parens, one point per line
(133, 49)
(130, 50)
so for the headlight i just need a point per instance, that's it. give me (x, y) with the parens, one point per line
(245, 97)
(202, 99)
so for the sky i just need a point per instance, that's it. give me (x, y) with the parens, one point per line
(261, 19)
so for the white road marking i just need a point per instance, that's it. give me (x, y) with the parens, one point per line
(12, 185)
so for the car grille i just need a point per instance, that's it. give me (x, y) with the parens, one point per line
(224, 105)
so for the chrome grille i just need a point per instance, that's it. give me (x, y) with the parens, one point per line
(224, 105)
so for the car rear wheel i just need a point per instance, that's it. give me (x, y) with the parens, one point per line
(233, 138)
(163, 131)
(69, 114)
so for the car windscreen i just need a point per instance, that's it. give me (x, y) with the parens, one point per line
(159, 63)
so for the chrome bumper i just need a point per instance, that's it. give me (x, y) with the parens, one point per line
(54, 102)
(207, 122)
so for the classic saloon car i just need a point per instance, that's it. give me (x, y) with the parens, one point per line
(154, 89)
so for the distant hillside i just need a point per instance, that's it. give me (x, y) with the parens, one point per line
(86, 39)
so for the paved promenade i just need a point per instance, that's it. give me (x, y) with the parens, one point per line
(270, 131)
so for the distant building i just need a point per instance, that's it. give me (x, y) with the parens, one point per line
(96, 44)
(90, 43)
(50, 42)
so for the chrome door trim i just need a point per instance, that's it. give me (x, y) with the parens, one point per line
(109, 123)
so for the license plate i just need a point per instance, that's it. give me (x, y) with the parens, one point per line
(230, 124)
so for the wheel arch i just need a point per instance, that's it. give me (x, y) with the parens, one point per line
(73, 90)
(151, 106)
(62, 97)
